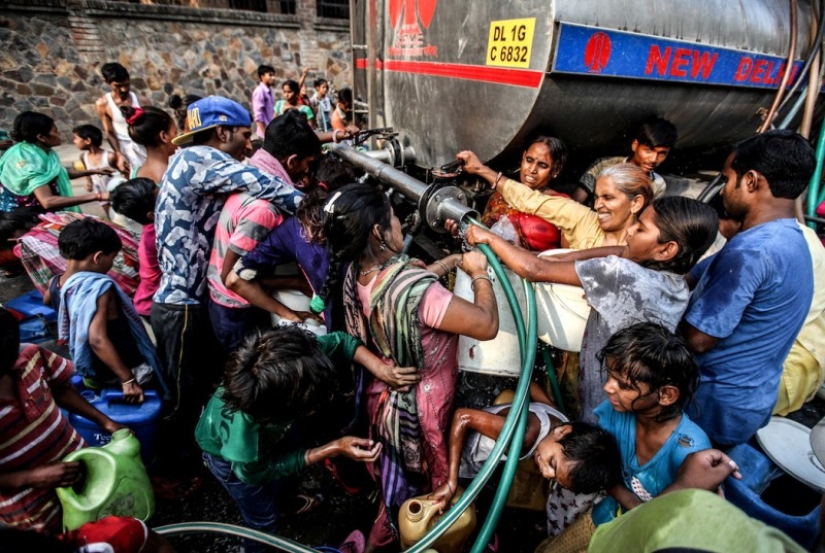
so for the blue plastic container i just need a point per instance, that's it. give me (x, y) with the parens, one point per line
(142, 419)
(34, 328)
(752, 492)
(77, 382)
(31, 304)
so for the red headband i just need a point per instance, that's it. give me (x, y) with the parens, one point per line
(135, 116)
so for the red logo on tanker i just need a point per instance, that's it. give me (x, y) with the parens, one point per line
(407, 18)
(597, 52)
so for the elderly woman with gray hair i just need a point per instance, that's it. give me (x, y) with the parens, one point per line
(622, 192)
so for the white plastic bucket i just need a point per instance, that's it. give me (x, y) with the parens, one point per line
(499, 356)
(562, 312)
(562, 315)
(297, 301)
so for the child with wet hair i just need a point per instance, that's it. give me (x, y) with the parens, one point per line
(248, 430)
(651, 377)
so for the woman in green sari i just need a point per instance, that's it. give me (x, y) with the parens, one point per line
(30, 172)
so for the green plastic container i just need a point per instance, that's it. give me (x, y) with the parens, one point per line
(115, 483)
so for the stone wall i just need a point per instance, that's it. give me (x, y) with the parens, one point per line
(51, 52)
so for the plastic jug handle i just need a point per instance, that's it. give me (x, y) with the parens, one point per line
(114, 396)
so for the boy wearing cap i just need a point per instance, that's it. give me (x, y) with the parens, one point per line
(192, 193)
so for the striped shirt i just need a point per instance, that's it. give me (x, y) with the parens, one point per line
(244, 222)
(33, 432)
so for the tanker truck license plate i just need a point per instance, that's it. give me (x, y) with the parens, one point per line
(510, 42)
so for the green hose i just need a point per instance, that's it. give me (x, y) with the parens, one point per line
(553, 378)
(508, 430)
(528, 357)
(232, 530)
(814, 196)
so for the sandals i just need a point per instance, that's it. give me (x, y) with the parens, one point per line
(307, 503)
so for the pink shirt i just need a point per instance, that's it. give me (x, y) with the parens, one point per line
(244, 222)
(148, 269)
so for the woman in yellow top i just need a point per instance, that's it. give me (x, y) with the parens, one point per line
(622, 192)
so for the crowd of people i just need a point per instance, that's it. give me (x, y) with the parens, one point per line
(691, 344)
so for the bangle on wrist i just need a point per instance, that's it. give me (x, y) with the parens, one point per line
(480, 277)
(306, 457)
(130, 381)
(444, 265)
(498, 178)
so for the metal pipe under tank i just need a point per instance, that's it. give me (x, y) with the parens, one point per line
(436, 203)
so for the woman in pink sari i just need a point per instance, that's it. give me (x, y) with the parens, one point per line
(396, 305)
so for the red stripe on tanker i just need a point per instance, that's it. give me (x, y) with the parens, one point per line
(497, 75)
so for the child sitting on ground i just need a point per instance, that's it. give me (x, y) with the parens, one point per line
(34, 434)
(578, 455)
(248, 432)
(88, 139)
(136, 200)
(642, 281)
(104, 333)
(652, 376)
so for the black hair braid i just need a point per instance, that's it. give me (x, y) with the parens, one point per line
(349, 215)
(336, 266)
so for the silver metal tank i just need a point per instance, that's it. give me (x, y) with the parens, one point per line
(484, 75)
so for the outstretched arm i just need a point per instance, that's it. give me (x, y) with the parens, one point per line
(524, 263)
(53, 202)
(253, 292)
(464, 421)
(67, 397)
(488, 425)
(589, 253)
